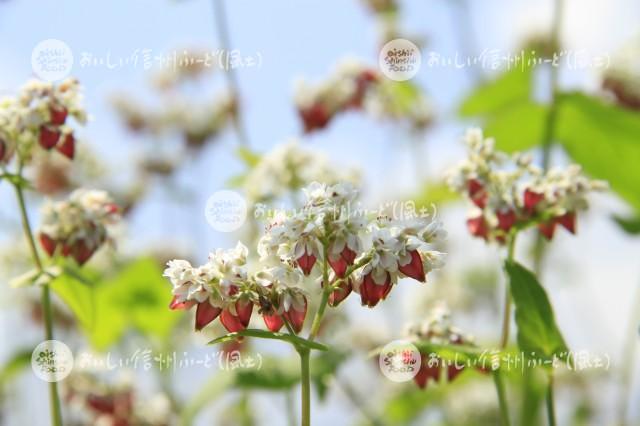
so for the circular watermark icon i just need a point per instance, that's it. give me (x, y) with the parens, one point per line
(52, 60)
(226, 211)
(400, 361)
(400, 59)
(52, 361)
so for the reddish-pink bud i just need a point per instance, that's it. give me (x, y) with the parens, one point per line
(273, 322)
(340, 293)
(48, 137)
(547, 229)
(477, 227)
(205, 313)
(68, 146)
(414, 269)
(506, 219)
(427, 372)
(344, 260)
(175, 305)
(58, 115)
(231, 322)
(531, 200)
(295, 317)
(372, 293)
(306, 262)
(314, 117)
(48, 244)
(453, 371)
(477, 193)
(81, 252)
(568, 221)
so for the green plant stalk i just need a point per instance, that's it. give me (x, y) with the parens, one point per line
(502, 398)
(326, 291)
(305, 382)
(54, 399)
(506, 319)
(551, 411)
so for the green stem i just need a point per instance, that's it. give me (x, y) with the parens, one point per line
(551, 411)
(326, 291)
(54, 399)
(502, 398)
(506, 319)
(305, 381)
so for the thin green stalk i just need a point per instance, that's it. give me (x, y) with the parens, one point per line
(506, 319)
(502, 398)
(326, 291)
(305, 381)
(232, 80)
(54, 399)
(551, 410)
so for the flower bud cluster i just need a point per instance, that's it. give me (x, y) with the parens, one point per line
(347, 250)
(353, 86)
(38, 116)
(77, 227)
(510, 193)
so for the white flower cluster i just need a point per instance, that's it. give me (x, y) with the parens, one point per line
(354, 86)
(38, 116)
(510, 192)
(622, 78)
(377, 250)
(78, 226)
(437, 328)
(288, 168)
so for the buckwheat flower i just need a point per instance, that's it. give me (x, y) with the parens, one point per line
(437, 329)
(77, 227)
(512, 193)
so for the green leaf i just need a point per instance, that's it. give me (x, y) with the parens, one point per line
(79, 298)
(519, 127)
(263, 334)
(630, 225)
(538, 332)
(604, 139)
(14, 365)
(434, 193)
(511, 87)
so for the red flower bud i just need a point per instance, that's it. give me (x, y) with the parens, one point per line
(453, 371)
(372, 293)
(346, 258)
(205, 313)
(547, 229)
(68, 146)
(414, 269)
(175, 305)
(81, 252)
(531, 200)
(48, 138)
(477, 193)
(306, 262)
(568, 221)
(427, 372)
(238, 322)
(295, 317)
(48, 244)
(58, 115)
(340, 293)
(506, 219)
(273, 322)
(477, 227)
(314, 117)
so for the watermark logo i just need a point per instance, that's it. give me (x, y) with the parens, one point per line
(52, 361)
(52, 60)
(400, 59)
(400, 361)
(226, 211)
